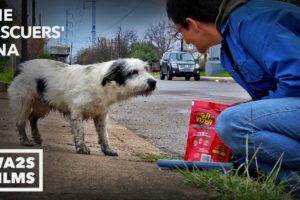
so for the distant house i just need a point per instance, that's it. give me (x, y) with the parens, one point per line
(213, 64)
(59, 53)
(214, 52)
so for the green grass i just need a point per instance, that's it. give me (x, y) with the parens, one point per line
(236, 185)
(155, 73)
(6, 75)
(150, 157)
(231, 186)
(224, 74)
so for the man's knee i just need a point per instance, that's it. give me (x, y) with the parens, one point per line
(227, 124)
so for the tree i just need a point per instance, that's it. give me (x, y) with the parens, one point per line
(124, 39)
(3, 5)
(35, 46)
(109, 49)
(105, 49)
(87, 56)
(145, 51)
(4, 61)
(161, 36)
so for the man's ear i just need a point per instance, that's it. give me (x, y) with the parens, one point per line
(195, 24)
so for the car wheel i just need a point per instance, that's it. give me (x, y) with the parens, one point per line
(197, 77)
(161, 76)
(169, 74)
(187, 78)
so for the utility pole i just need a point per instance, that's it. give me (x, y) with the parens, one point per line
(69, 24)
(71, 51)
(119, 45)
(40, 19)
(111, 48)
(181, 44)
(25, 25)
(179, 37)
(33, 12)
(93, 21)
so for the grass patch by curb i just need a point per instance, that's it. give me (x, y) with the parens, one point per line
(224, 74)
(239, 184)
(231, 186)
(155, 73)
(150, 157)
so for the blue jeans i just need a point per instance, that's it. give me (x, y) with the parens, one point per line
(272, 126)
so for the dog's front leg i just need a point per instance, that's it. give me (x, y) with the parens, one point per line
(78, 133)
(100, 124)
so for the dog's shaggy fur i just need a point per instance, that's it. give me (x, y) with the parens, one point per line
(78, 92)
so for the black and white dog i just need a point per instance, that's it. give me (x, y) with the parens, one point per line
(79, 92)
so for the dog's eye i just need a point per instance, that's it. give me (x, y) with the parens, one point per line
(134, 72)
(147, 68)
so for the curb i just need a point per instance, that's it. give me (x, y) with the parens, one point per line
(214, 78)
(217, 79)
(132, 141)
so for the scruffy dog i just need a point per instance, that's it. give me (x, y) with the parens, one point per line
(78, 92)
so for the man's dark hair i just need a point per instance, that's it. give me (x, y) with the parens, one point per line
(202, 10)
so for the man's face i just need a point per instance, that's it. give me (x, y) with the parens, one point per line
(201, 35)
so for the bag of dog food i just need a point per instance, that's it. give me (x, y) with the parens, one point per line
(203, 143)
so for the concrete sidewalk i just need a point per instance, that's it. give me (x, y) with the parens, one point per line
(218, 79)
(68, 175)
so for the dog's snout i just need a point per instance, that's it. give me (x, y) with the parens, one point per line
(152, 83)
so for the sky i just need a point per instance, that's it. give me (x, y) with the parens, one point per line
(110, 14)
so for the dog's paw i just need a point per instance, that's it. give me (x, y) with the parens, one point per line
(110, 152)
(26, 142)
(82, 149)
(38, 141)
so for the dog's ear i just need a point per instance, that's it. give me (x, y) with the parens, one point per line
(115, 73)
(41, 86)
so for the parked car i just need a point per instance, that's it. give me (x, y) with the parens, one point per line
(180, 64)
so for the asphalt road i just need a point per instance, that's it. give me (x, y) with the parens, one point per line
(162, 118)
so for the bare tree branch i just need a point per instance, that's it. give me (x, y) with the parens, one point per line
(161, 35)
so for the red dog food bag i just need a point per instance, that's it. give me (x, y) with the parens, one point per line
(203, 143)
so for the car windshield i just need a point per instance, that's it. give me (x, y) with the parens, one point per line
(181, 57)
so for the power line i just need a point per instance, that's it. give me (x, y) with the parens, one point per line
(114, 24)
(125, 16)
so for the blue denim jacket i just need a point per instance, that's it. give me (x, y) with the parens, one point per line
(261, 48)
